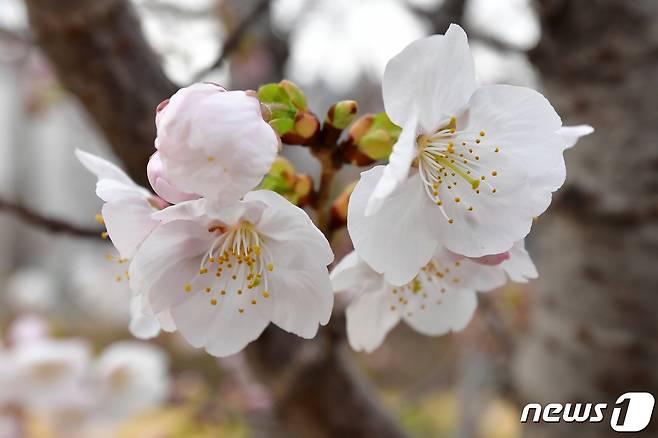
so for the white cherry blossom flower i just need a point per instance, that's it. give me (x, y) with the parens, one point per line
(50, 374)
(441, 298)
(214, 142)
(471, 169)
(129, 378)
(226, 272)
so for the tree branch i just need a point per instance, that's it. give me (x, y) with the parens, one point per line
(234, 38)
(45, 223)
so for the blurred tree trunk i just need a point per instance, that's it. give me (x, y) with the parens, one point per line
(595, 333)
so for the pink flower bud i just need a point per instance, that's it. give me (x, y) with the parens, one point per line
(161, 185)
(213, 142)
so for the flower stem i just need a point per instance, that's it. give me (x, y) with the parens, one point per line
(328, 172)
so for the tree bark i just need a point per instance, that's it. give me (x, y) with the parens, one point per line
(595, 330)
(101, 56)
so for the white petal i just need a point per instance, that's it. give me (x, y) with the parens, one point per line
(571, 134)
(398, 240)
(221, 329)
(102, 168)
(300, 300)
(433, 77)
(290, 233)
(468, 273)
(142, 326)
(369, 319)
(452, 314)
(519, 266)
(397, 169)
(167, 260)
(128, 222)
(521, 125)
(351, 273)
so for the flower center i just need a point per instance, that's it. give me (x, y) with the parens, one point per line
(426, 288)
(236, 265)
(448, 157)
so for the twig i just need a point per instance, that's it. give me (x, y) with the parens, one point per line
(235, 37)
(49, 224)
(327, 174)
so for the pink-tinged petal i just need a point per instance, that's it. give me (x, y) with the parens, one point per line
(397, 169)
(128, 222)
(433, 77)
(571, 134)
(221, 329)
(290, 233)
(452, 312)
(168, 260)
(160, 184)
(370, 319)
(519, 267)
(399, 239)
(492, 259)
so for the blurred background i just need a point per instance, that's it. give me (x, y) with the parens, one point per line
(77, 74)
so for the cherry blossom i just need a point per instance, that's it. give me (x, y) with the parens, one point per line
(471, 169)
(225, 271)
(212, 142)
(441, 298)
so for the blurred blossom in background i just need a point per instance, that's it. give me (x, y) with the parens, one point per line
(68, 364)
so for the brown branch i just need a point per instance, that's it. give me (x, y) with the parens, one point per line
(235, 37)
(37, 220)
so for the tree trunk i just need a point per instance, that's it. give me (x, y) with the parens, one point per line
(595, 322)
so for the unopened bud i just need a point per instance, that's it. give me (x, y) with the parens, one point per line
(284, 180)
(341, 114)
(360, 128)
(306, 129)
(295, 95)
(340, 206)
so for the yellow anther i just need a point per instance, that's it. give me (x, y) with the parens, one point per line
(494, 173)
(211, 158)
(477, 140)
(213, 301)
(222, 292)
(497, 150)
(104, 235)
(99, 219)
(211, 259)
(208, 290)
(203, 271)
(241, 310)
(270, 267)
(451, 221)
(239, 291)
(187, 287)
(482, 133)
(118, 278)
(493, 190)
(253, 302)
(266, 294)
(457, 199)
